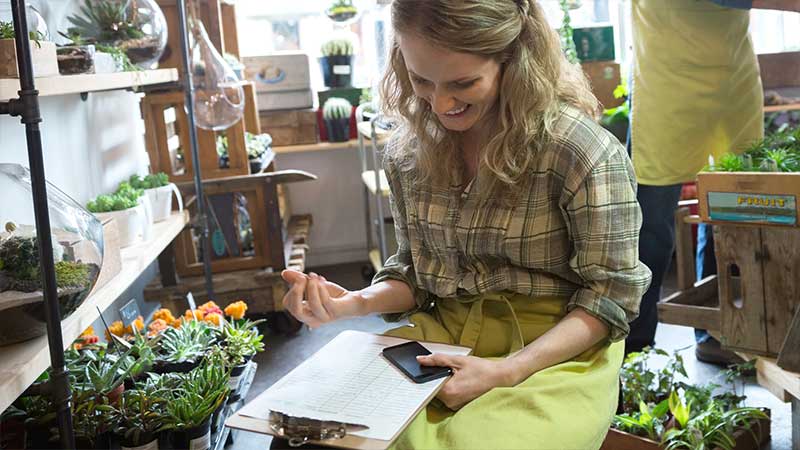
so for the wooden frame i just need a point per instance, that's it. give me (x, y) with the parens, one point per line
(166, 131)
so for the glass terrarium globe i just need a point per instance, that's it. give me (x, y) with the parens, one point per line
(137, 27)
(77, 252)
(219, 96)
(36, 23)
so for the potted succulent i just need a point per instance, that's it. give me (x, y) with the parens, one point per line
(181, 349)
(136, 27)
(138, 418)
(336, 114)
(256, 145)
(12, 428)
(125, 207)
(241, 340)
(20, 270)
(40, 420)
(341, 11)
(337, 62)
(190, 406)
(159, 191)
(43, 54)
(88, 421)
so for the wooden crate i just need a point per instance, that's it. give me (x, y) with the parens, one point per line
(619, 440)
(43, 58)
(294, 127)
(167, 138)
(779, 70)
(749, 197)
(219, 20)
(262, 203)
(263, 289)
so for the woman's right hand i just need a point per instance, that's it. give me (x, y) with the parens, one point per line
(315, 301)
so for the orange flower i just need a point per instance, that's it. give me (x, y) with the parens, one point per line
(198, 315)
(77, 345)
(157, 326)
(213, 318)
(236, 310)
(116, 328)
(87, 332)
(138, 323)
(207, 305)
(177, 323)
(164, 314)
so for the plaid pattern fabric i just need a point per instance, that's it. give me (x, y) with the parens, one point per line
(570, 230)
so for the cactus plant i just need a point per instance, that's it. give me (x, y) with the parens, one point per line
(342, 10)
(336, 108)
(336, 47)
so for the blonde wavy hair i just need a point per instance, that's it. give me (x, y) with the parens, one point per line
(536, 79)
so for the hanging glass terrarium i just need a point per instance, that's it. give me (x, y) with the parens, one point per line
(77, 253)
(219, 96)
(137, 27)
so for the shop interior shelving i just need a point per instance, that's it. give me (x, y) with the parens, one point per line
(78, 84)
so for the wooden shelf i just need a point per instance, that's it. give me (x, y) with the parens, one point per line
(22, 363)
(320, 146)
(76, 84)
(779, 108)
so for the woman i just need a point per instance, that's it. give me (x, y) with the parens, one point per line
(517, 227)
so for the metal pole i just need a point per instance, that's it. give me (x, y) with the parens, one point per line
(188, 89)
(27, 106)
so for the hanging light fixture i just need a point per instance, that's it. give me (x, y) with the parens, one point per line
(219, 96)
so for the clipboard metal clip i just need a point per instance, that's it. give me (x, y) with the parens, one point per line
(300, 430)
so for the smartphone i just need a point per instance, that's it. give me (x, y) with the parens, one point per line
(404, 357)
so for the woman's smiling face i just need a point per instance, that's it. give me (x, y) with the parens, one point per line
(461, 88)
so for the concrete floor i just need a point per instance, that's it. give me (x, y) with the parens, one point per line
(284, 353)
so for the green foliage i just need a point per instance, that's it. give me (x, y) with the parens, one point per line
(99, 370)
(185, 344)
(712, 428)
(139, 414)
(777, 152)
(619, 113)
(105, 21)
(336, 108)
(646, 421)
(199, 393)
(642, 384)
(72, 274)
(336, 47)
(7, 32)
(150, 181)
(567, 44)
(241, 340)
(342, 7)
(20, 256)
(256, 144)
(126, 197)
(119, 55)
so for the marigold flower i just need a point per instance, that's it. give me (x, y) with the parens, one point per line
(164, 314)
(157, 326)
(213, 318)
(198, 315)
(236, 310)
(138, 324)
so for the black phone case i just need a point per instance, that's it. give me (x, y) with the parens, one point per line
(404, 357)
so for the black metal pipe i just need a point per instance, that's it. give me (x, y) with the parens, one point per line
(188, 89)
(29, 112)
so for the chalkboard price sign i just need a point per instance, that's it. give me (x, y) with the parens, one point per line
(129, 312)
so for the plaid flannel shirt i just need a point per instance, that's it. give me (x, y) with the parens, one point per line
(571, 231)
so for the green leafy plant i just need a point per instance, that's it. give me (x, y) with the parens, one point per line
(712, 428)
(342, 10)
(19, 260)
(150, 181)
(336, 47)
(646, 421)
(200, 392)
(120, 57)
(139, 414)
(241, 339)
(256, 144)
(185, 344)
(567, 43)
(105, 21)
(7, 32)
(336, 108)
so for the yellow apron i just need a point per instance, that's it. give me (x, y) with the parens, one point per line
(567, 406)
(696, 88)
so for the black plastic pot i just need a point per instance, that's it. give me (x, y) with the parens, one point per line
(42, 436)
(12, 434)
(144, 439)
(338, 129)
(236, 373)
(337, 70)
(215, 417)
(256, 165)
(100, 441)
(224, 161)
(183, 439)
(161, 367)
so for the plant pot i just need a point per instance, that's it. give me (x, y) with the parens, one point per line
(224, 161)
(146, 441)
(215, 417)
(338, 129)
(115, 394)
(256, 165)
(100, 441)
(130, 223)
(161, 367)
(197, 438)
(42, 436)
(337, 70)
(235, 382)
(43, 57)
(76, 59)
(161, 201)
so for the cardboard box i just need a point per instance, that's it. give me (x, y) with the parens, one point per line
(749, 197)
(283, 80)
(290, 127)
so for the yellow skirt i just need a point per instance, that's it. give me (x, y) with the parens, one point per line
(567, 406)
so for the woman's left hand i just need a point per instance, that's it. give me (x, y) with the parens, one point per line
(472, 377)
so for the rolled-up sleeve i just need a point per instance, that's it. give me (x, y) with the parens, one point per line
(400, 266)
(604, 219)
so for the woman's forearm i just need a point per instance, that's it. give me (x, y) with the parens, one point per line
(577, 332)
(389, 296)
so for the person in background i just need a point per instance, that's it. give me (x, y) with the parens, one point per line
(517, 228)
(696, 92)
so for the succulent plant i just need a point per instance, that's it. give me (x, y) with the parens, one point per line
(336, 108)
(104, 21)
(20, 258)
(149, 181)
(336, 47)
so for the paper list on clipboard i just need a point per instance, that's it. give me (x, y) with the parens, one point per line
(349, 381)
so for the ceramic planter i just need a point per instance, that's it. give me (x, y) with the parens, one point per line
(338, 129)
(131, 223)
(161, 201)
(337, 70)
(197, 438)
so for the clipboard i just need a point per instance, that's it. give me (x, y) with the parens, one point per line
(339, 429)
